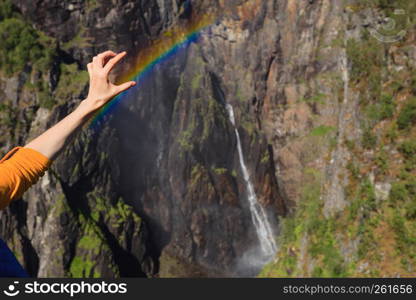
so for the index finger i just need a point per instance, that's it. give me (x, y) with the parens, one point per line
(112, 62)
(103, 57)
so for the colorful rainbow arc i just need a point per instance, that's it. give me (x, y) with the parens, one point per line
(160, 51)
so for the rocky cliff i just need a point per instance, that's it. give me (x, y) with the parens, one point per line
(323, 96)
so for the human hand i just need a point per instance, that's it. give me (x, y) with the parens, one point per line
(102, 90)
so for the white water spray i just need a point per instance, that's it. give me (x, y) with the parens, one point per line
(258, 215)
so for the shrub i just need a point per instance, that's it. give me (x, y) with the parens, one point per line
(386, 107)
(383, 109)
(407, 116)
(382, 161)
(366, 57)
(398, 192)
(6, 9)
(411, 210)
(20, 44)
(405, 238)
(365, 201)
(369, 140)
(408, 149)
(392, 133)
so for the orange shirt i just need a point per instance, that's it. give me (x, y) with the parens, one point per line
(19, 169)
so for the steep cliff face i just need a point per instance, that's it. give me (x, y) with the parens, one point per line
(323, 109)
(343, 133)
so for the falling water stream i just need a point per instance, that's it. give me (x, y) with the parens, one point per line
(258, 215)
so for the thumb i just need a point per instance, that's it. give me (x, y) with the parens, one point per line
(125, 86)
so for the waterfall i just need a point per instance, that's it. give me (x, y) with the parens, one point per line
(258, 215)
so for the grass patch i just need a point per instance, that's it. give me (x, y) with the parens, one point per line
(407, 116)
(72, 81)
(322, 130)
(220, 171)
(318, 98)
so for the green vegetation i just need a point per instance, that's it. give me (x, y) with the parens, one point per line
(93, 242)
(78, 41)
(90, 241)
(382, 161)
(364, 202)
(6, 10)
(366, 62)
(399, 192)
(324, 235)
(405, 234)
(392, 133)
(249, 127)
(369, 140)
(354, 169)
(309, 222)
(81, 268)
(383, 109)
(239, 95)
(322, 130)
(115, 214)
(220, 171)
(23, 48)
(185, 139)
(196, 82)
(22, 45)
(72, 81)
(407, 116)
(206, 114)
(408, 149)
(318, 98)
(265, 158)
(212, 115)
(402, 201)
(92, 4)
(7, 115)
(197, 173)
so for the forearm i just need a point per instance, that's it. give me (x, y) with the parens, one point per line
(54, 140)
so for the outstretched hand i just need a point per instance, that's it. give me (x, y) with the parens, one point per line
(52, 141)
(101, 88)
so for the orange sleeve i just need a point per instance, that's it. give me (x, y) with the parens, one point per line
(20, 169)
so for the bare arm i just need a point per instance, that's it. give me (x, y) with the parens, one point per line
(101, 91)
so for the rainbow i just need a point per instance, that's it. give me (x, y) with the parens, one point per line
(155, 54)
